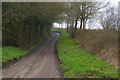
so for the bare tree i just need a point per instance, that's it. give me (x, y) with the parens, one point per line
(109, 18)
(85, 11)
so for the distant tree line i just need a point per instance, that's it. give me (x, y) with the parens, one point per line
(88, 12)
(25, 23)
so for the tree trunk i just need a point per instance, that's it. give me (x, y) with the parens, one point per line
(67, 25)
(76, 22)
(81, 24)
(72, 25)
(84, 24)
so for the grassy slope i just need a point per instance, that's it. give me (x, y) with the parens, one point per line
(9, 53)
(79, 63)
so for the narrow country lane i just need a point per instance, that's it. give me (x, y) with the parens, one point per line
(41, 63)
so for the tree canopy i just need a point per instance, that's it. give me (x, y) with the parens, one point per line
(27, 22)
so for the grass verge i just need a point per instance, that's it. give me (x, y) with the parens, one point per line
(10, 53)
(78, 63)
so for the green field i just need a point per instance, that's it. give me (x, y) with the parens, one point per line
(78, 63)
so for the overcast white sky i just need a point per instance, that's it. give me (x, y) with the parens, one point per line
(113, 3)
